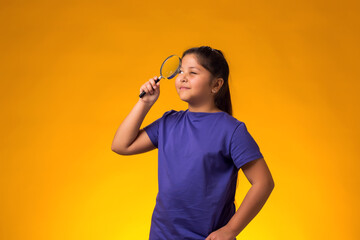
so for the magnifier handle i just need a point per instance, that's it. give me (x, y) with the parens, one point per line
(143, 92)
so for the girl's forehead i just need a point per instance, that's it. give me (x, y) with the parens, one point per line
(190, 60)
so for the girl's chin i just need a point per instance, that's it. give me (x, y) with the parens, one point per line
(185, 97)
(182, 97)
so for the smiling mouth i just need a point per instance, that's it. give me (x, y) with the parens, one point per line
(183, 88)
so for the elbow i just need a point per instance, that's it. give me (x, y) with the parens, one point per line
(271, 185)
(115, 150)
(267, 184)
(118, 150)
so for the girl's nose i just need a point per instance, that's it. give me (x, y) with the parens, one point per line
(183, 79)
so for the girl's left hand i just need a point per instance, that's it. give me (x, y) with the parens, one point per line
(223, 233)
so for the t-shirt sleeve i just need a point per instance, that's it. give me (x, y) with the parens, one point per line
(152, 129)
(243, 147)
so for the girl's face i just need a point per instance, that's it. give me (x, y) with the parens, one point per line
(193, 81)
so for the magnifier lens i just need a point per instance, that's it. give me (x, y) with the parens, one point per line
(170, 67)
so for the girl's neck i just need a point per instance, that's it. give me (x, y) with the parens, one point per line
(204, 108)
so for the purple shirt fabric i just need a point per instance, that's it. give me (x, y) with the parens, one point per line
(199, 155)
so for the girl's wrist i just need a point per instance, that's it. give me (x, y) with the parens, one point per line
(145, 104)
(232, 230)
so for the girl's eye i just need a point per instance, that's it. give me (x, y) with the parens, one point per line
(180, 71)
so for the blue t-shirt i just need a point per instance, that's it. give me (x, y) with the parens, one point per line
(199, 155)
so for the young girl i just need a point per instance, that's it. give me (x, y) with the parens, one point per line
(200, 151)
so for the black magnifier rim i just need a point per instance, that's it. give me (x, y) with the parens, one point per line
(177, 70)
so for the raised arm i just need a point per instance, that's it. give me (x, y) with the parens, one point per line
(129, 139)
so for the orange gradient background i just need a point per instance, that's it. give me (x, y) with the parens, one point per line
(70, 72)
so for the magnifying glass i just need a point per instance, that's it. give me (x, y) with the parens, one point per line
(169, 69)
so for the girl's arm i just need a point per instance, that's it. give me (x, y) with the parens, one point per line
(258, 174)
(128, 138)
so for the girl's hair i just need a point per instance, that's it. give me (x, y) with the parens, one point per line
(214, 61)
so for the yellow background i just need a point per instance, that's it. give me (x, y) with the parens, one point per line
(70, 72)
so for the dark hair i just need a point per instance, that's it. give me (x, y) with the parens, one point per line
(214, 61)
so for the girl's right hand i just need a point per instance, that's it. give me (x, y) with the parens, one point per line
(152, 90)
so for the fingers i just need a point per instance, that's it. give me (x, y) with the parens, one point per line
(150, 86)
(153, 83)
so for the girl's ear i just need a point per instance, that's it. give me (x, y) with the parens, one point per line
(217, 84)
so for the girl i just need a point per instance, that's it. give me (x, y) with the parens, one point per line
(200, 151)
